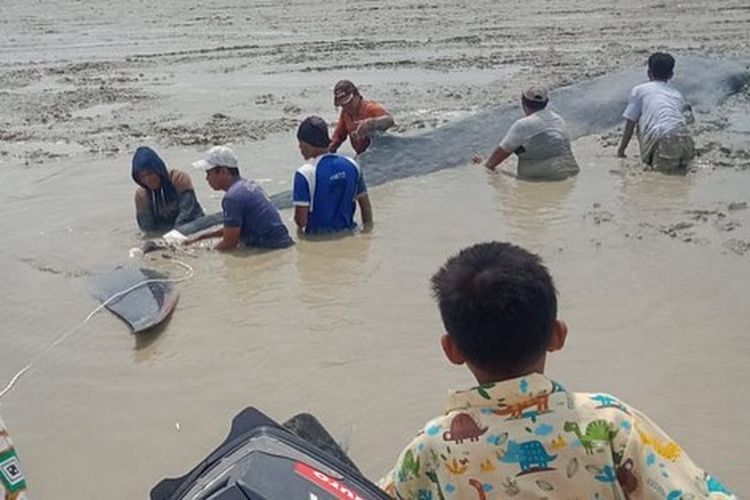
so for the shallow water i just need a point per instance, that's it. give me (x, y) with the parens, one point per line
(652, 271)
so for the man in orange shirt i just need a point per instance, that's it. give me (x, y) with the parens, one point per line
(358, 117)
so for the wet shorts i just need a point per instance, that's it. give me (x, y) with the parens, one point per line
(671, 154)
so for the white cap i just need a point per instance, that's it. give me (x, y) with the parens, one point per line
(536, 93)
(217, 156)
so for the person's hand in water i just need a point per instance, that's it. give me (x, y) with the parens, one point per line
(363, 127)
(479, 160)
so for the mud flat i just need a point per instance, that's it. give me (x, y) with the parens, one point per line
(653, 271)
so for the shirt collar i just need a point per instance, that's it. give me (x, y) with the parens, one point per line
(314, 161)
(502, 393)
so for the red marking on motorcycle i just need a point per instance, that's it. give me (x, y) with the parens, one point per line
(331, 485)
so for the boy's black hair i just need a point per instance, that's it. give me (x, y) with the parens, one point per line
(234, 171)
(498, 303)
(314, 131)
(661, 65)
(534, 105)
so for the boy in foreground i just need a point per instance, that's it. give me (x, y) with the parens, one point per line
(519, 432)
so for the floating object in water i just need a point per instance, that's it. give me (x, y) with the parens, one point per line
(116, 291)
(141, 297)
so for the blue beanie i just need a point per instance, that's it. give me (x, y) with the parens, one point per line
(314, 131)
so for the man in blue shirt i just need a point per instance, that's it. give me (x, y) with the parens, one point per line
(327, 186)
(249, 215)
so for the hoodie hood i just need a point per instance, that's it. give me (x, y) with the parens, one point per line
(146, 159)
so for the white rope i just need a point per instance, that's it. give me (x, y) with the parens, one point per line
(68, 333)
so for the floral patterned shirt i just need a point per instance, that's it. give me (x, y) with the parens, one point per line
(530, 438)
(12, 482)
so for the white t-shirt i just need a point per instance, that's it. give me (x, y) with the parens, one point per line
(546, 149)
(658, 108)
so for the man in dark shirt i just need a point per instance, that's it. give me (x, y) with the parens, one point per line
(249, 216)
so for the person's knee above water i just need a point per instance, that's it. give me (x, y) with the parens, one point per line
(661, 115)
(164, 198)
(519, 432)
(540, 140)
(249, 216)
(326, 189)
(358, 117)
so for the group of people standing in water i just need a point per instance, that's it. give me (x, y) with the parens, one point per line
(328, 188)
(656, 109)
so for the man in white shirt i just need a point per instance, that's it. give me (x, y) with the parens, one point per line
(540, 139)
(661, 113)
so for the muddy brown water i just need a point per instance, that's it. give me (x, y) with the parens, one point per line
(653, 271)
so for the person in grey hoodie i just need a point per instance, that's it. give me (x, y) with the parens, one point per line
(164, 198)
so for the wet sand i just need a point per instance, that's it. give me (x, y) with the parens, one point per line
(652, 271)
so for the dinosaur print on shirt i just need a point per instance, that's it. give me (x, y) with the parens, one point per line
(530, 438)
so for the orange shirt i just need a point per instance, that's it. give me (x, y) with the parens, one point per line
(347, 124)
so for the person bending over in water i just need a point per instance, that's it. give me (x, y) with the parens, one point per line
(540, 139)
(164, 198)
(326, 188)
(358, 117)
(661, 114)
(518, 432)
(249, 216)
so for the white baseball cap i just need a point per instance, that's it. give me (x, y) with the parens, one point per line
(536, 93)
(217, 156)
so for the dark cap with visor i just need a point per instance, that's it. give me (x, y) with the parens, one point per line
(343, 92)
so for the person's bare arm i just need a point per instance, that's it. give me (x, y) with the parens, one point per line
(365, 208)
(381, 122)
(496, 158)
(230, 239)
(213, 234)
(364, 127)
(334, 146)
(339, 136)
(627, 133)
(301, 214)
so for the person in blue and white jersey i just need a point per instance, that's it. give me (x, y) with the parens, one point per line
(328, 188)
